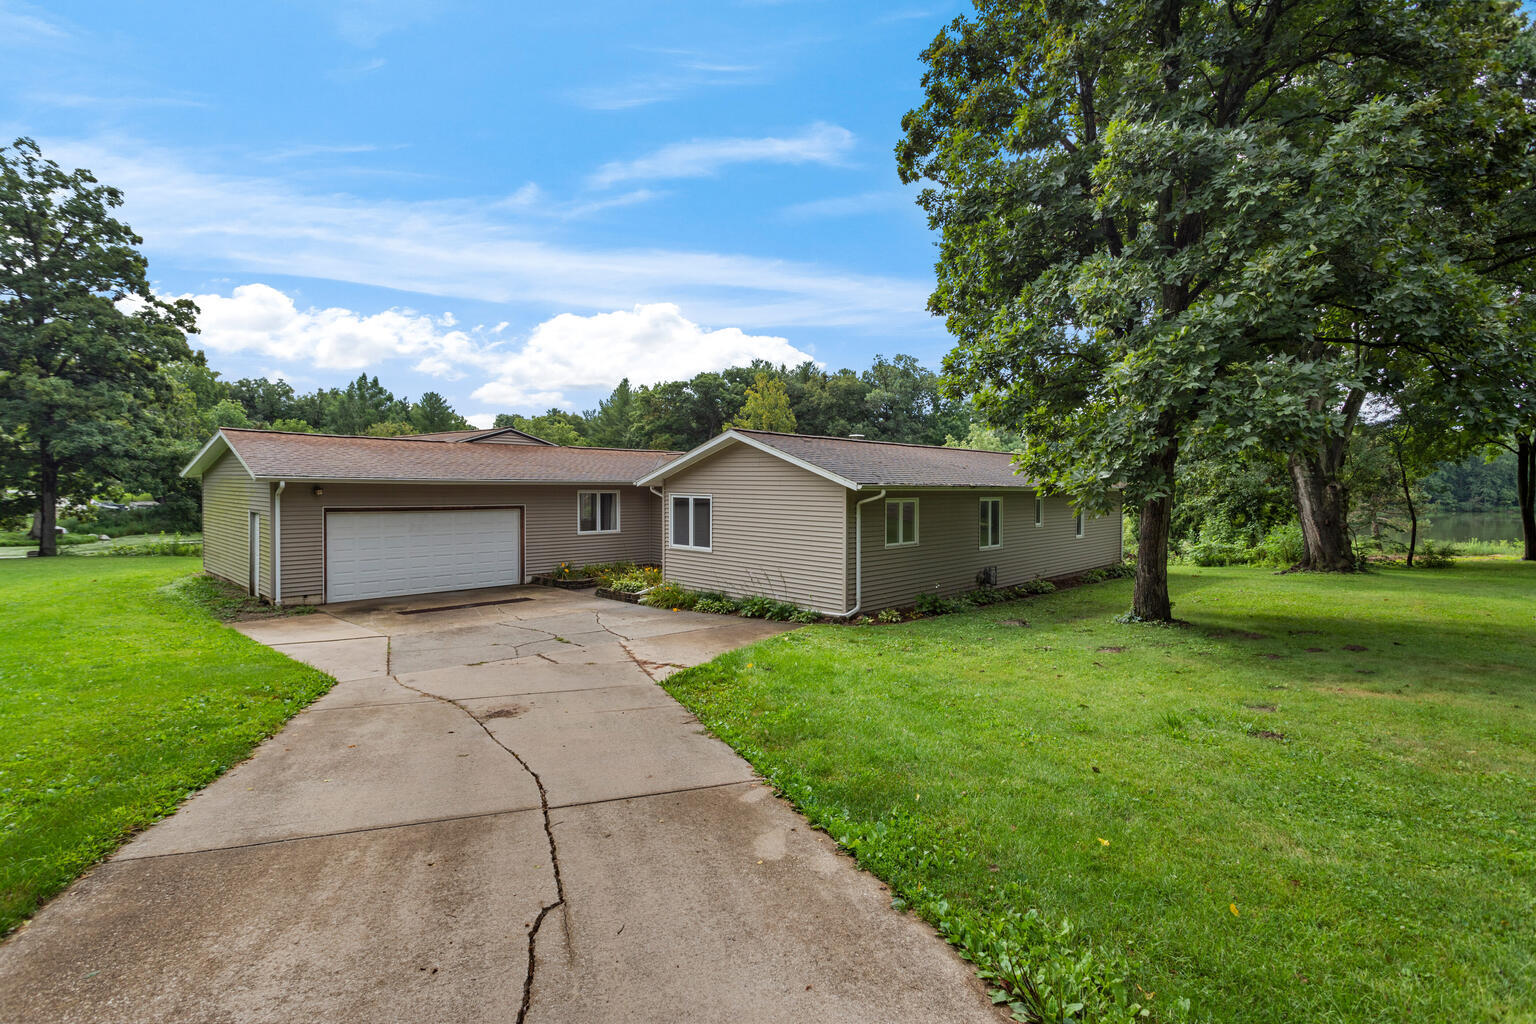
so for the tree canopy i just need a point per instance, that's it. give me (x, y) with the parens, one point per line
(1164, 218)
(83, 338)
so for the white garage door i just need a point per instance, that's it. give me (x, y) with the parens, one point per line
(387, 554)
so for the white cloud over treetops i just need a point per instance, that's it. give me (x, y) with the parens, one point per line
(650, 343)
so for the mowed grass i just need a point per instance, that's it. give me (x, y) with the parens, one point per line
(1314, 802)
(119, 696)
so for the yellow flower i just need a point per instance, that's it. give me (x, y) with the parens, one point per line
(1104, 841)
(1233, 908)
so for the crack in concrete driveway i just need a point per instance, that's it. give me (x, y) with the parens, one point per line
(383, 858)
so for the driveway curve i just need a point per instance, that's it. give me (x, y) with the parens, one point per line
(495, 815)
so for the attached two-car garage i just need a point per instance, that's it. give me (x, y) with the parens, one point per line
(389, 553)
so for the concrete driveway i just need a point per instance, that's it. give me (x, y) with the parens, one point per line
(496, 815)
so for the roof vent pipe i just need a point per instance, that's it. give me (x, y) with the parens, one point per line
(856, 437)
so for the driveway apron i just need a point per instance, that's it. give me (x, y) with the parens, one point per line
(495, 815)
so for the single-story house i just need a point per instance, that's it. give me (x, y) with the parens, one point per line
(840, 525)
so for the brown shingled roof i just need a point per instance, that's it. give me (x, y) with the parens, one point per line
(891, 464)
(274, 455)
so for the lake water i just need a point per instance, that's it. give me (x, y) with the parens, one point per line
(1454, 526)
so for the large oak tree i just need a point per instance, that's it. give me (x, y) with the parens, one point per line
(1151, 210)
(82, 337)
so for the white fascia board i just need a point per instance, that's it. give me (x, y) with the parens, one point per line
(713, 445)
(207, 456)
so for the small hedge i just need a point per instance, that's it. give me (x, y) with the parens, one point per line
(170, 546)
(19, 539)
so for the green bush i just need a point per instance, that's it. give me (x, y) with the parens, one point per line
(633, 581)
(1434, 556)
(929, 603)
(1118, 571)
(805, 615)
(19, 539)
(606, 572)
(983, 596)
(760, 607)
(1031, 587)
(889, 615)
(1209, 552)
(170, 546)
(715, 605)
(670, 595)
(1282, 546)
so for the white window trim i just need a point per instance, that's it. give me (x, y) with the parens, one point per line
(999, 499)
(671, 511)
(1079, 526)
(1039, 510)
(617, 526)
(916, 531)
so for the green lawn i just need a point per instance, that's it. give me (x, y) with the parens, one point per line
(1314, 802)
(118, 698)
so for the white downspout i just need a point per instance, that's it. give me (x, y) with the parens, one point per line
(277, 544)
(858, 555)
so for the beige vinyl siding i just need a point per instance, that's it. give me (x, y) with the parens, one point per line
(777, 530)
(549, 524)
(948, 555)
(229, 498)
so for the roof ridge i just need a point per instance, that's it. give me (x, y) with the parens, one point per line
(866, 440)
(316, 433)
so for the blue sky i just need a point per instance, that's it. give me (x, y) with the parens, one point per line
(513, 204)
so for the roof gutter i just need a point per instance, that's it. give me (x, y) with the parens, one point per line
(858, 555)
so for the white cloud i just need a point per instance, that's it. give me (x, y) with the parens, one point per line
(567, 353)
(19, 26)
(260, 319)
(531, 200)
(845, 206)
(483, 420)
(647, 344)
(471, 249)
(821, 143)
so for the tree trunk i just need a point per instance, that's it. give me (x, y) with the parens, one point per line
(1149, 600)
(1525, 484)
(1322, 504)
(1322, 500)
(1413, 513)
(47, 503)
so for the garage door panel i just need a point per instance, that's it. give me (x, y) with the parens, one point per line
(389, 554)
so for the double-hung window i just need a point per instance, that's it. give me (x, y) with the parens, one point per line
(597, 511)
(900, 522)
(991, 523)
(691, 521)
(1039, 511)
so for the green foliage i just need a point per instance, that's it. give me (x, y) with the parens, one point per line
(766, 406)
(291, 426)
(388, 428)
(630, 580)
(1118, 571)
(888, 616)
(1432, 555)
(568, 571)
(716, 605)
(1481, 482)
(1032, 587)
(1170, 224)
(19, 539)
(606, 572)
(83, 339)
(432, 414)
(929, 603)
(760, 607)
(670, 595)
(178, 546)
(555, 426)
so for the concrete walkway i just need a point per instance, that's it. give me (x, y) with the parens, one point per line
(496, 815)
